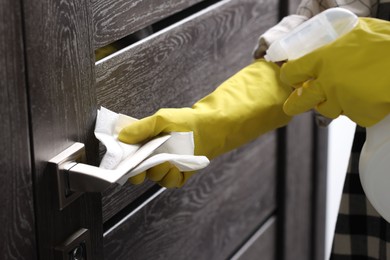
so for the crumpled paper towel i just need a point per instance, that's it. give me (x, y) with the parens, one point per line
(176, 147)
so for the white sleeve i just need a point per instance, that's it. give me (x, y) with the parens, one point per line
(362, 8)
(277, 32)
(306, 10)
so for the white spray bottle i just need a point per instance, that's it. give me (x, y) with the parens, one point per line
(374, 163)
(374, 166)
(321, 29)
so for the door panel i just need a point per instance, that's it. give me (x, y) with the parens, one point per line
(115, 19)
(261, 243)
(191, 58)
(60, 68)
(210, 217)
(179, 65)
(17, 238)
(116, 198)
(303, 225)
(299, 174)
(222, 208)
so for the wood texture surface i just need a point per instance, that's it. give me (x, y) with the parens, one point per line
(219, 208)
(261, 245)
(60, 69)
(17, 237)
(181, 64)
(118, 197)
(320, 184)
(299, 185)
(115, 19)
(305, 189)
(210, 217)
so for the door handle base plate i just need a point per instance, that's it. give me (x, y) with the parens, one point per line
(60, 166)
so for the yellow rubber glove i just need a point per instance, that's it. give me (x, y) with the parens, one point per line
(245, 106)
(349, 76)
(105, 51)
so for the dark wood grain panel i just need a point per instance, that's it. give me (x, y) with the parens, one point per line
(60, 67)
(208, 218)
(115, 19)
(17, 238)
(178, 66)
(305, 189)
(320, 184)
(195, 55)
(298, 197)
(118, 197)
(261, 245)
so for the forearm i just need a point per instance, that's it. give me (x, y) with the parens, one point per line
(362, 8)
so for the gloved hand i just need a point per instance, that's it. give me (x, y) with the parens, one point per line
(349, 76)
(245, 106)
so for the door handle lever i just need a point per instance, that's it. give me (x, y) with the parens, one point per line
(79, 176)
(74, 176)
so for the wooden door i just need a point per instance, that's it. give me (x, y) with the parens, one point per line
(17, 238)
(171, 53)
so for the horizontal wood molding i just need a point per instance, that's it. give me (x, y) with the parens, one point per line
(261, 245)
(180, 65)
(118, 197)
(215, 212)
(114, 19)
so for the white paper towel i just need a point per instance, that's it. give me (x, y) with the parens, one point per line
(177, 147)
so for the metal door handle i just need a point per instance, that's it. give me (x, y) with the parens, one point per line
(79, 176)
(73, 176)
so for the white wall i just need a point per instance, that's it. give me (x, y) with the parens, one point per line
(341, 133)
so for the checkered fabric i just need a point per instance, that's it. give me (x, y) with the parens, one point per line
(361, 233)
